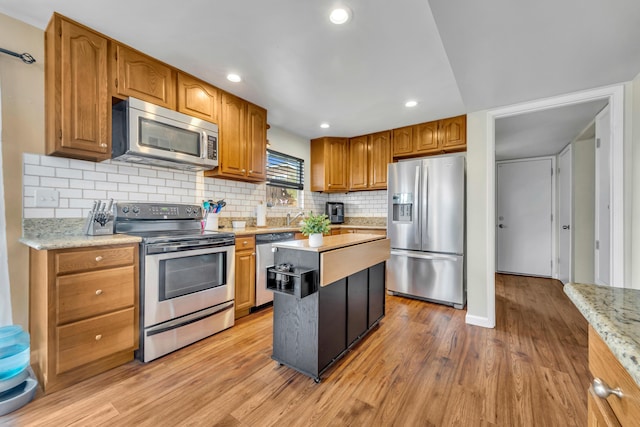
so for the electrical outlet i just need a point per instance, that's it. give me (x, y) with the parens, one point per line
(46, 198)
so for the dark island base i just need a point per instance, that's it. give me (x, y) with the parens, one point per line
(317, 378)
(311, 333)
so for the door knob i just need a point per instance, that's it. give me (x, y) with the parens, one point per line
(501, 226)
(565, 227)
(603, 390)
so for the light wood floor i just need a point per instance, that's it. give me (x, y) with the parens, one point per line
(421, 367)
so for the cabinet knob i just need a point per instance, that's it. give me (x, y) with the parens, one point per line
(245, 243)
(329, 185)
(602, 389)
(253, 254)
(99, 258)
(103, 145)
(98, 337)
(99, 292)
(244, 170)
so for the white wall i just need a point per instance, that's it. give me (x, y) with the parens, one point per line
(584, 202)
(22, 130)
(480, 213)
(634, 190)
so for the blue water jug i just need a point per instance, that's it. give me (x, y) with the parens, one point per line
(14, 351)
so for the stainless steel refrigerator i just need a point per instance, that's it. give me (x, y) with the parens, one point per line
(425, 223)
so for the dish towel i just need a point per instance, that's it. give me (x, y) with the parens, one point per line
(5, 291)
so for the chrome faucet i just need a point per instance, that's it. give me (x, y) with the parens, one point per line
(289, 219)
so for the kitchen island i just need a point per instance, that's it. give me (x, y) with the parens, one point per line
(326, 298)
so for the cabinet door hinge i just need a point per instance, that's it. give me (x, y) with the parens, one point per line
(597, 142)
(116, 82)
(551, 171)
(59, 31)
(597, 244)
(59, 133)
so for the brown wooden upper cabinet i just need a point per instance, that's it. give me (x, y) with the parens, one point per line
(138, 75)
(197, 98)
(242, 140)
(441, 136)
(77, 101)
(369, 156)
(329, 165)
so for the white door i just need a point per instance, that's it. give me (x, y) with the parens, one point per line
(603, 198)
(524, 217)
(565, 201)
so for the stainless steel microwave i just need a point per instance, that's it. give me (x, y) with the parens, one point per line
(145, 133)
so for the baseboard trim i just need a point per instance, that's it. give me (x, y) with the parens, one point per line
(479, 321)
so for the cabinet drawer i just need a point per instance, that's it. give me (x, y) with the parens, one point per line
(245, 243)
(84, 295)
(604, 365)
(82, 260)
(89, 340)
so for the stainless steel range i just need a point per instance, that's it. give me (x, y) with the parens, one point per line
(186, 275)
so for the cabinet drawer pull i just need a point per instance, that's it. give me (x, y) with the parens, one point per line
(99, 292)
(602, 389)
(99, 258)
(98, 337)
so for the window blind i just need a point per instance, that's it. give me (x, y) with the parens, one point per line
(284, 170)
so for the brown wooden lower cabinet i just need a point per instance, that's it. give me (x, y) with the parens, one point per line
(245, 282)
(83, 312)
(612, 410)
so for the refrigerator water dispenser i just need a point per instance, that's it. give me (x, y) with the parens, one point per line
(403, 207)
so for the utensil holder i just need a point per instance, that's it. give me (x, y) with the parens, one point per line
(211, 222)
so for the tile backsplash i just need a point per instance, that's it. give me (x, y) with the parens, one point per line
(80, 182)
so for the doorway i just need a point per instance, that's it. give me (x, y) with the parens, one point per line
(481, 130)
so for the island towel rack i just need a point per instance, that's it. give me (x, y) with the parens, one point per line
(26, 58)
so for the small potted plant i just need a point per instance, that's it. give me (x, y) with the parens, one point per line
(315, 226)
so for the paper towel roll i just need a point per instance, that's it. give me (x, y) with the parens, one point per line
(261, 215)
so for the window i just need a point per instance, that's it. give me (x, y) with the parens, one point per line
(285, 179)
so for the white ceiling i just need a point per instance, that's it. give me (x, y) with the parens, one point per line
(452, 56)
(544, 132)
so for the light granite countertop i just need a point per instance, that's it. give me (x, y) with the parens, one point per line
(615, 315)
(65, 241)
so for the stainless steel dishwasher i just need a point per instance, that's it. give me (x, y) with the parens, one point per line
(264, 260)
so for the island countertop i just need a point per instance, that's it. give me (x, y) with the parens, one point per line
(614, 313)
(330, 242)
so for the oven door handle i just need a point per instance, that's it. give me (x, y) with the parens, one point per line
(191, 318)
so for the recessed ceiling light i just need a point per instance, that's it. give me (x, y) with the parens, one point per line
(324, 125)
(234, 78)
(340, 15)
(410, 104)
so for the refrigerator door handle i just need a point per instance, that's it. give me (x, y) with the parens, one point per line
(425, 255)
(416, 204)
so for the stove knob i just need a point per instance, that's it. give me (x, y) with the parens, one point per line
(125, 209)
(135, 210)
(188, 210)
